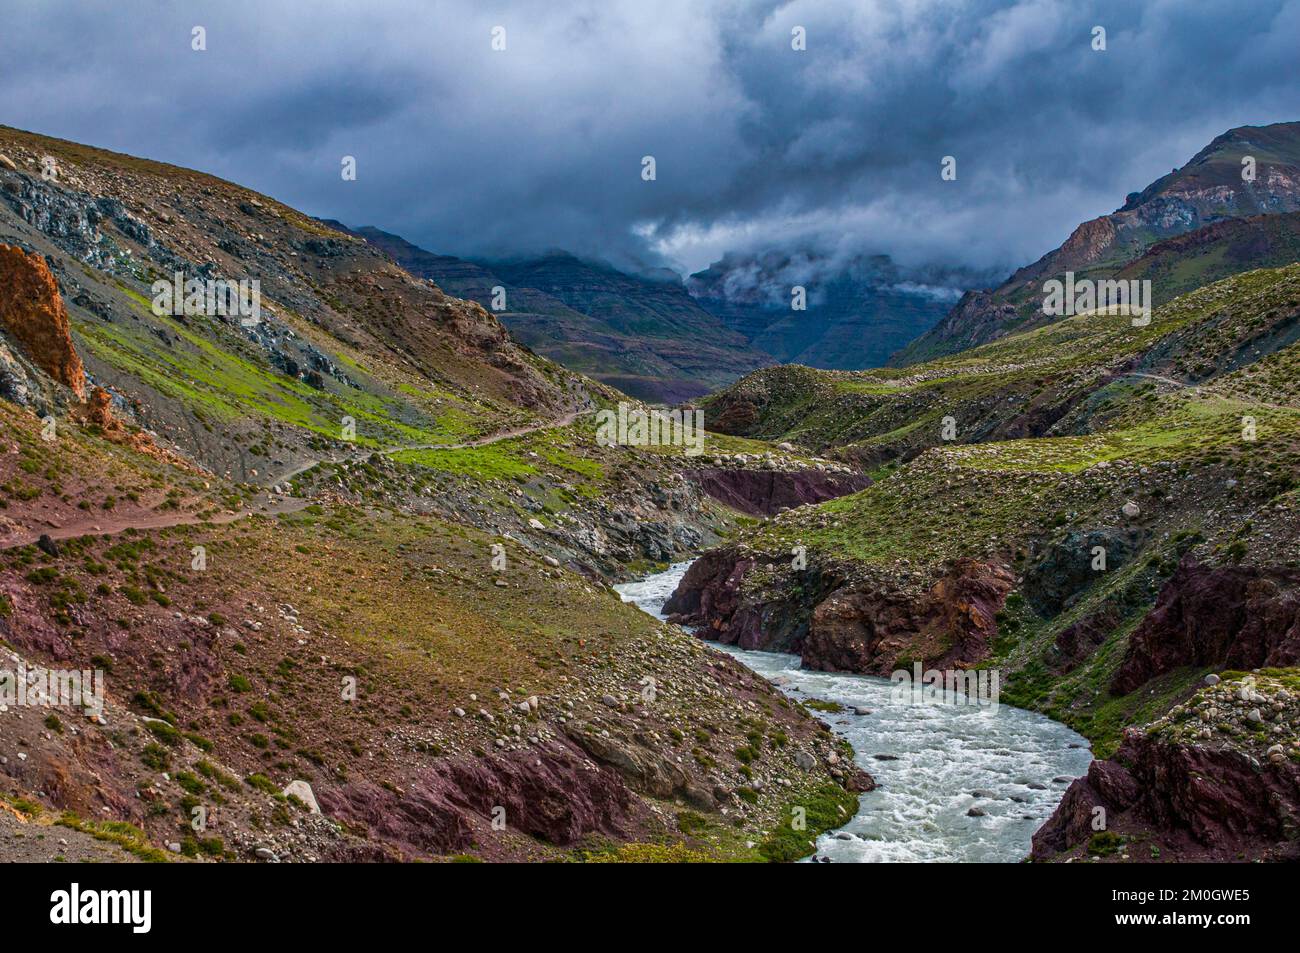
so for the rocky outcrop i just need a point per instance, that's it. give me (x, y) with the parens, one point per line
(1194, 802)
(1226, 617)
(767, 492)
(97, 411)
(709, 595)
(552, 793)
(647, 771)
(713, 596)
(1080, 639)
(33, 314)
(838, 625)
(1087, 244)
(1064, 569)
(871, 630)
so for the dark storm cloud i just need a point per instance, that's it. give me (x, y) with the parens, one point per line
(837, 149)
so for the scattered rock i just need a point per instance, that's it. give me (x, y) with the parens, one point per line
(303, 792)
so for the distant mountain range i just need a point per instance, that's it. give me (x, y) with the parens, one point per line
(661, 339)
(644, 335)
(858, 311)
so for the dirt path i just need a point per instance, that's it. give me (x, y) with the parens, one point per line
(1157, 377)
(264, 504)
(26, 841)
(564, 421)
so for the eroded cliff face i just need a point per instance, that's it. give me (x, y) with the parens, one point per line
(1226, 617)
(952, 624)
(767, 492)
(713, 596)
(33, 314)
(841, 624)
(1218, 778)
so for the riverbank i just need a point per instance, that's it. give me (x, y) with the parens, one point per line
(954, 782)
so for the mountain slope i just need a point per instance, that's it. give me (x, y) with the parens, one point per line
(1114, 517)
(645, 336)
(858, 312)
(1209, 189)
(343, 333)
(316, 643)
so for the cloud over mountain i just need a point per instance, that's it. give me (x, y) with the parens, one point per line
(836, 149)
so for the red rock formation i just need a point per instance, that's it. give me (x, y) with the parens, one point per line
(1226, 617)
(1201, 803)
(1086, 244)
(868, 630)
(98, 412)
(841, 626)
(1080, 640)
(709, 595)
(766, 492)
(33, 314)
(550, 792)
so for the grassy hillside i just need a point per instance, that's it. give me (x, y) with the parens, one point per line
(1195, 465)
(412, 621)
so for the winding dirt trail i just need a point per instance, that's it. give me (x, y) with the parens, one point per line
(265, 503)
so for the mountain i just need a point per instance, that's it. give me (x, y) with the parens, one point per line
(336, 562)
(858, 312)
(1106, 516)
(643, 335)
(1208, 190)
(660, 339)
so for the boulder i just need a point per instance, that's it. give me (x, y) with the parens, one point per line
(303, 792)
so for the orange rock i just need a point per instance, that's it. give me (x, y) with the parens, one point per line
(32, 311)
(98, 411)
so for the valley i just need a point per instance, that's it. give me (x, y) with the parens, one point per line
(358, 574)
(347, 571)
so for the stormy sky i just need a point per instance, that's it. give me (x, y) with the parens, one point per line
(468, 150)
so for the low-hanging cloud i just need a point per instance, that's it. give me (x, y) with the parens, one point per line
(836, 149)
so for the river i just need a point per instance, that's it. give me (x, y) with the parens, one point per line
(932, 763)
